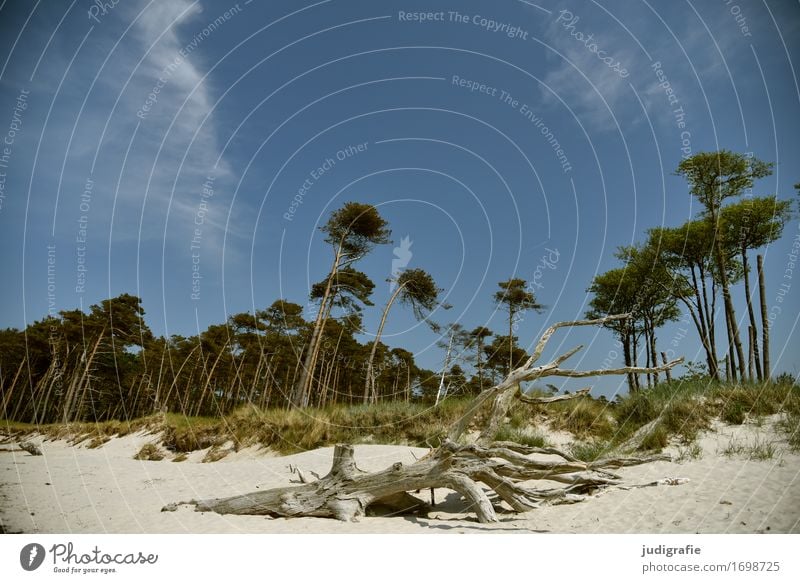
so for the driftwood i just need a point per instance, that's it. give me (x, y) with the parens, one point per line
(346, 492)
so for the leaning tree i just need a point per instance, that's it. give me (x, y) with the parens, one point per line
(352, 231)
(504, 467)
(413, 287)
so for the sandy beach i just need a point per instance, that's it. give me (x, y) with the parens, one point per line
(73, 489)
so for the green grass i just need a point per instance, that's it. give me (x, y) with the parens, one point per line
(690, 452)
(759, 450)
(790, 425)
(591, 450)
(529, 438)
(583, 418)
(680, 410)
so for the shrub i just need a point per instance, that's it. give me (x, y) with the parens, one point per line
(583, 418)
(656, 440)
(149, 452)
(686, 418)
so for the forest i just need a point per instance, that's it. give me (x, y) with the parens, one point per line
(107, 364)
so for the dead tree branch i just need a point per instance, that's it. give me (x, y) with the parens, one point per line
(503, 467)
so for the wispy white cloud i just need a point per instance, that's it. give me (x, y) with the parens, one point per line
(179, 144)
(589, 69)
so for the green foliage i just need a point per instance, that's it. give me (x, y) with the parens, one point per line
(497, 356)
(418, 290)
(356, 227)
(754, 222)
(516, 298)
(716, 176)
(350, 289)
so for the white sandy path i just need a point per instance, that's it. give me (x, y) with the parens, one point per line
(78, 490)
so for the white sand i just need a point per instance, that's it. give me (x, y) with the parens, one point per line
(78, 490)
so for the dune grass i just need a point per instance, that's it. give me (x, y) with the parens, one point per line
(531, 438)
(677, 412)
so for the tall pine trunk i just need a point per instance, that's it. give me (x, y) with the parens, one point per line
(734, 339)
(369, 385)
(753, 337)
(302, 389)
(762, 292)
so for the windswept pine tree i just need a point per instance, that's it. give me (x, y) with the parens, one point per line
(352, 231)
(415, 288)
(517, 299)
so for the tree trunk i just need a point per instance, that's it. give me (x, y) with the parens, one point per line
(648, 360)
(408, 382)
(510, 339)
(369, 385)
(733, 328)
(635, 352)
(703, 339)
(626, 347)
(346, 492)
(703, 326)
(750, 312)
(444, 369)
(654, 354)
(667, 372)
(479, 363)
(711, 317)
(732, 372)
(302, 388)
(762, 292)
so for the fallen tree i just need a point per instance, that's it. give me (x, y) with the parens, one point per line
(346, 491)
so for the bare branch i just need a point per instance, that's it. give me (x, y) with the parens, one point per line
(544, 400)
(346, 492)
(613, 371)
(566, 355)
(537, 352)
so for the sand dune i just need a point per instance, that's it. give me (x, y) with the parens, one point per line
(72, 489)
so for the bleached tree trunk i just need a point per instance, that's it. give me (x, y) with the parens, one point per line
(369, 385)
(302, 388)
(444, 368)
(756, 359)
(346, 492)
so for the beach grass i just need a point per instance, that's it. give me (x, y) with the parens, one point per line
(677, 413)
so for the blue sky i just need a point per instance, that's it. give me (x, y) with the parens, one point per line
(371, 102)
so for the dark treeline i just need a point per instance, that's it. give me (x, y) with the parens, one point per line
(107, 364)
